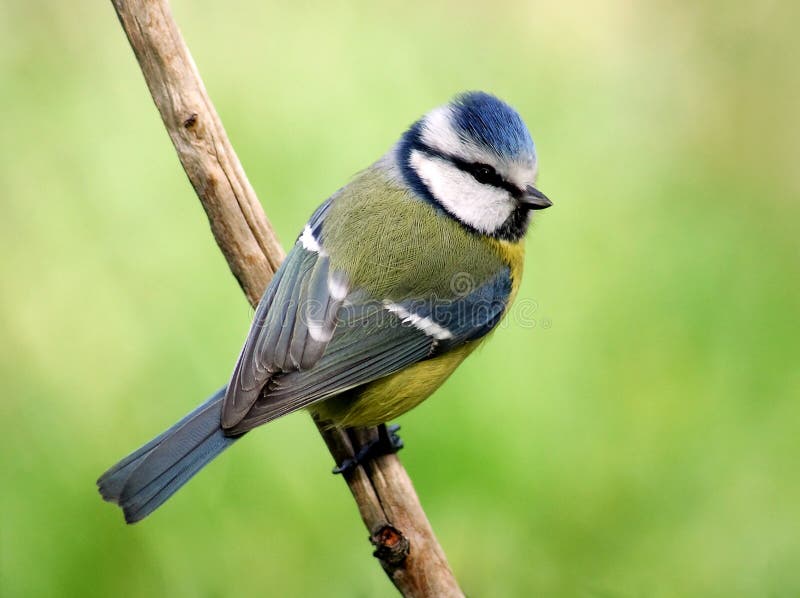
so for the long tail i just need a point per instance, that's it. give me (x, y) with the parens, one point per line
(143, 480)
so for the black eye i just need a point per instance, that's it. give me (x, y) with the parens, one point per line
(484, 173)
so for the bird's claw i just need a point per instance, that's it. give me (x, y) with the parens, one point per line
(387, 443)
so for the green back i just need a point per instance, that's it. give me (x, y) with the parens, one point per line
(395, 245)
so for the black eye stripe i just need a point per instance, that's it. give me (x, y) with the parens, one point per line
(483, 173)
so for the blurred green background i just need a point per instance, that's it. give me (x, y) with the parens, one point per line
(640, 438)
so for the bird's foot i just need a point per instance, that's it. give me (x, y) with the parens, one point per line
(387, 443)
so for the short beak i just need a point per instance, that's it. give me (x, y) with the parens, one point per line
(533, 199)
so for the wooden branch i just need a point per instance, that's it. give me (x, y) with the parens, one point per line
(403, 538)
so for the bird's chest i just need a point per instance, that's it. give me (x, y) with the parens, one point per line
(513, 256)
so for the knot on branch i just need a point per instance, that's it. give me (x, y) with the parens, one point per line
(190, 121)
(391, 546)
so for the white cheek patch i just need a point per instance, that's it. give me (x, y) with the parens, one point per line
(483, 207)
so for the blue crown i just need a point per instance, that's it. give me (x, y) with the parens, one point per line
(492, 123)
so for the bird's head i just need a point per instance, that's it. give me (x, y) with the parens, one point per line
(475, 159)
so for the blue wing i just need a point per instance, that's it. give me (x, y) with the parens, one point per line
(314, 337)
(462, 318)
(293, 323)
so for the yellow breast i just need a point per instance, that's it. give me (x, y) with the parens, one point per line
(513, 254)
(390, 397)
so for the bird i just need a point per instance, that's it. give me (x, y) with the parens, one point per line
(394, 280)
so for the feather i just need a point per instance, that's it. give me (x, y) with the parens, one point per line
(357, 355)
(279, 337)
(143, 480)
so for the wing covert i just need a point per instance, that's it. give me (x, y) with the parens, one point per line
(374, 339)
(293, 323)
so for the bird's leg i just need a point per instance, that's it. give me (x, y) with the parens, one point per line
(386, 442)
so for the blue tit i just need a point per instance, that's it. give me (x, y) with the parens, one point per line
(393, 282)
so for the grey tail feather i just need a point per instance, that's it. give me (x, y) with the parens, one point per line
(143, 480)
